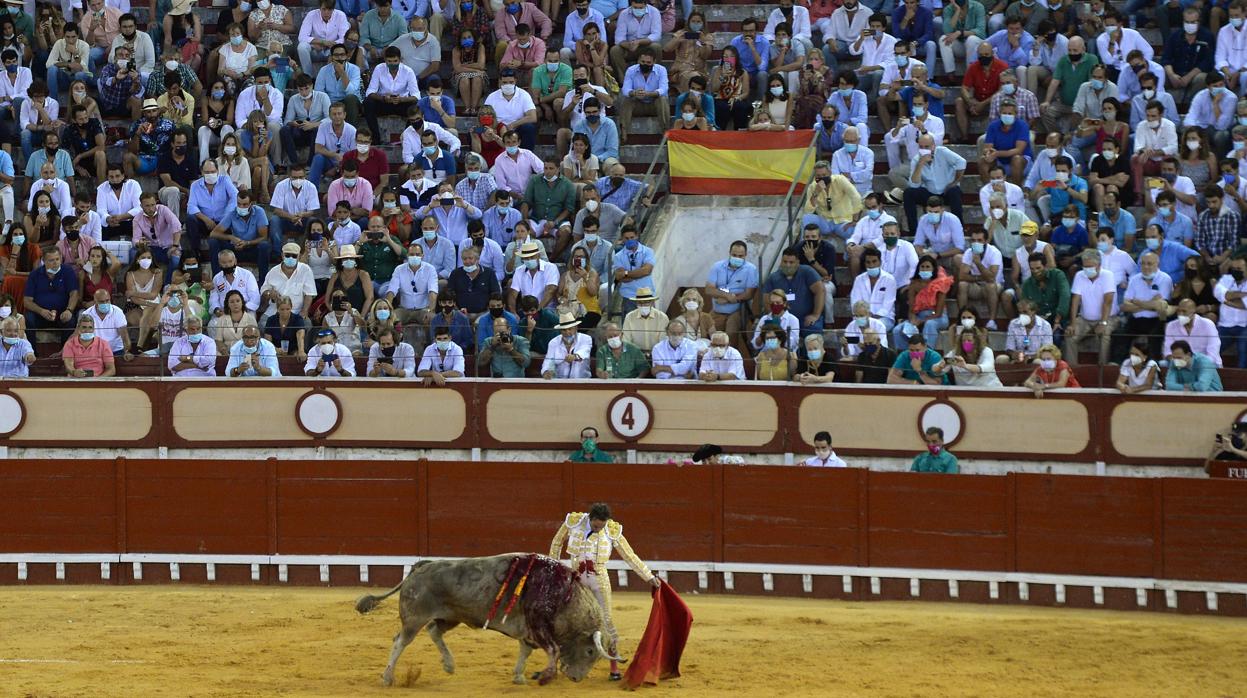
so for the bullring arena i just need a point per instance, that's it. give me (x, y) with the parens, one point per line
(207, 567)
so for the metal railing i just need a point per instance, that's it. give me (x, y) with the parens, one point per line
(654, 185)
(790, 219)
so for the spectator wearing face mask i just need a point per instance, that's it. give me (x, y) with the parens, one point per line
(721, 362)
(1052, 372)
(329, 358)
(442, 359)
(1191, 372)
(919, 365)
(589, 451)
(778, 317)
(252, 356)
(1139, 373)
(823, 456)
(645, 325)
(937, 459)
(816, 363)
(1231, 291)
(1197, 331)
(1026, 334)
(450, 317)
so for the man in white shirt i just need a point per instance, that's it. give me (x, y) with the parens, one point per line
(823, 456)
(416, 126)
(329, 358)
(142, 50)
(291, 279)
(845, 26)
(1194, 329)
(568, 355)
(441, 360)
(862, 322)
(778, 315)
(515, 108)
(573, 106)
(1146, 305)
(675, 356)
(110, 324)
(1092, 308)
(877, 49)
(981, 275)
(1154, 139)
(413, 295)
(867, 232)
(233, 278)
(900, 259)
(797, 17)
(855, 161)
(117, 200)
(294, 203)
(392, 90)
(722, 362)
(1115, 259)
(319, 32)
(1181, 186)
(1231, 54)
(537, 278)
(1231, 291)
(997, 184)
(390, 358)
(263, 97)
(877, 288)
(906, 132)
(57, 188)
(1117, 42)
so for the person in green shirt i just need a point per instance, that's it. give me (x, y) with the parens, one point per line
(1049, 289)
(381, 253)
(617, 358)
(936, 459)
(918, 366)
(550, 82)
(1072, 70)
(589, 452)
(506, 355)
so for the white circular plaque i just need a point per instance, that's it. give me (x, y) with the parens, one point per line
(318, 414)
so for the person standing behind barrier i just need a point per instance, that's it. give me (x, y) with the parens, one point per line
(731, 283)
(589, 451)
(823, 456)
(937, 459)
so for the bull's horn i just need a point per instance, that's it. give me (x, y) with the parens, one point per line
(597, 642)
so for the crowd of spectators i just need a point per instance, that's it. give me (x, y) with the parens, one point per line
(239, 190)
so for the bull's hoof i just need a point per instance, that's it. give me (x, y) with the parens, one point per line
(387, 678)
(545, 678)
(518, 680)
(448, 665)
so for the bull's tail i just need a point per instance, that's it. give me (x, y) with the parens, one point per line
(368, 602)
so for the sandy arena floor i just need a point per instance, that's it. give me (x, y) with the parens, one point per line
(231, 641)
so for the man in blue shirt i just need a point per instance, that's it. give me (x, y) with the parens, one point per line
(456, 322)
(731, 283)
(935, 171)
(1191, 372)
(644, 93)
(51, 297)
(634, 263)
(803, 290)
(340, 80)
(1173, 255)
(252, 356)
(912, 23)
(245, 231)
(485, 323)
(616, 188)
(1007, 143)
(755, 53)
(1119, 220)
(211, 197)
(601, 131)
(1067, 188)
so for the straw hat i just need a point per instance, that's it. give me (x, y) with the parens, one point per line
(645, 294)
(567, 321)
(531, 248)
(347, 252)
(150, 103)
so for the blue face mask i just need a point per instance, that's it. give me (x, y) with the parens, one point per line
(195, 338)
(470, 268)
(919, 111)
(250, 350)
(639, 14)
(383, 314)
(443, 344)
(175, 302)
(1164, 211)
(977, 247)
(631, 244)
(290, 262)
(874, 213)
(850, 148)
(934, 218)
(467, 42)
(862, 321)
(1007, 119)
(771, 344)
(105, 308)
(243, 211)
(12, 340)
(1102, 246)
(846, 92)
(1152, 243)
(414, 261)
(1097, 84)
(512, 149)
(902, 61)
(735, 262)
(86, 336)
(925, 275)
(872, 273)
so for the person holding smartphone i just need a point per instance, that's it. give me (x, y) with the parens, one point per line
(329, 358)
(390, 358)
(86, 355)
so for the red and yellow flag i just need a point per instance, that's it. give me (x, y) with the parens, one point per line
(737, 162)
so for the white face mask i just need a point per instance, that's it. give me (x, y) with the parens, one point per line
(691, 305)
(998, 213)
(363, 148)
(614, 342)
(229, 150)
(1192, 145)
(1024, 320)
(171, 65)
(145, 263)
(1184, 319)
(967, 322)
(645, 310)
(718, 352)
(1135, 360)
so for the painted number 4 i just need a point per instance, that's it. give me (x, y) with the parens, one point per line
(629, 417)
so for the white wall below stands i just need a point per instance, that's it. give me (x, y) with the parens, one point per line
(975, 467)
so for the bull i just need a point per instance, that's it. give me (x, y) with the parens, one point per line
(557, 614)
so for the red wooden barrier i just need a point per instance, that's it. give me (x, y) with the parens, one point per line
(1152, 528)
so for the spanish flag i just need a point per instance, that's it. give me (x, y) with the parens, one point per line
(737, 162)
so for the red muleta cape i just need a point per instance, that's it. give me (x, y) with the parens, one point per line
(658, 655)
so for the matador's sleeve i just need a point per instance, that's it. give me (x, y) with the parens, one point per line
(560, 537)
(615, 530)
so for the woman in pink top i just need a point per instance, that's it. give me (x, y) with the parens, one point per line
(85, 355)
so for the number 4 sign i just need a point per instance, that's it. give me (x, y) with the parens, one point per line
(630, 417)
